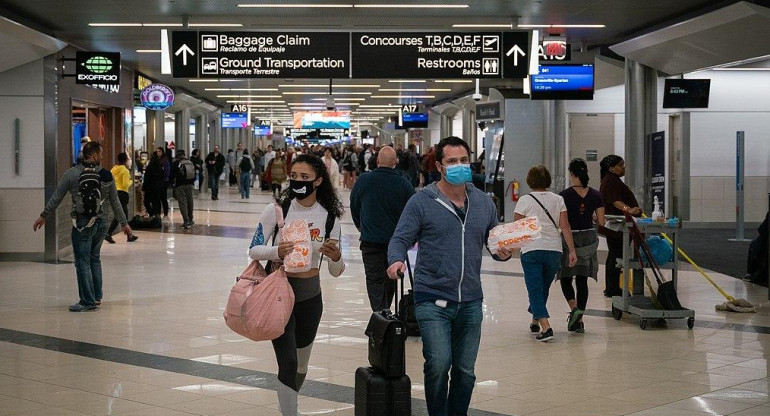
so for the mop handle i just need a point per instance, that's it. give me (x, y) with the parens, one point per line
(686, 257)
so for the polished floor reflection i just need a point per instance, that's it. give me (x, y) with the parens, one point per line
(159, 346)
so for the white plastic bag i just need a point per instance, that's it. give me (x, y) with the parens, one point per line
(515, 234)
(300, 259)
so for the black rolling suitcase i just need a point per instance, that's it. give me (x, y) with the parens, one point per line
(387, 336)
(377, 395)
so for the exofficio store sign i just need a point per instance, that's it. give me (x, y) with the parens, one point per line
(97, 68)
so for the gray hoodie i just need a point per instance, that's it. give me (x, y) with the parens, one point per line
(449, 256)
(69, 184)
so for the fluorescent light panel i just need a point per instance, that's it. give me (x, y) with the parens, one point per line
(482, 25)
(454, 81)
(297, 6)
(115, 24)
(414, 89)
(215, 25)
(525, 26)
(403, 96)
(358, 6)
(241, 89)
(162, 24)
(406, 81)
(203, 80)
(323, 93)
(327, 86)
(249, 96)
(340, 98)
(148, 51)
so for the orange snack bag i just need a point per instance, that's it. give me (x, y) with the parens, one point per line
(515, 234)
(300, 259)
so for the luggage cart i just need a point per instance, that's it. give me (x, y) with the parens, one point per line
(639, 304)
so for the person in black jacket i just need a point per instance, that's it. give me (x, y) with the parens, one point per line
(215, 165)
(153, 186)
(183, 186)
(376, 203)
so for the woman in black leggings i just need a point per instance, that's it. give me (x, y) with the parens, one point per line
(311, 197)
(583, 203)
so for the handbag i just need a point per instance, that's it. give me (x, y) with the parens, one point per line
(563, 241)
(259, 305)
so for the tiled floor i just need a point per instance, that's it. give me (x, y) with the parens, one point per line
(159, 345)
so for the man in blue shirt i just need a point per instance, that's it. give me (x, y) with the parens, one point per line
(451, 220)
(376, 203)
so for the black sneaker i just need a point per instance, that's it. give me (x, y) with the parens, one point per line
(534, 329)
(131, 238)
(545, 336)
(109, 239)
(581, 329)
(78, 307)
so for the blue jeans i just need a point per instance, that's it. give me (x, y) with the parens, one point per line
(540, 268)
(450, 341)
(245, 184)
(213, 184)
(86, 245)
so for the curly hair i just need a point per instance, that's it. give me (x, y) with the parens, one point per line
(325, 193)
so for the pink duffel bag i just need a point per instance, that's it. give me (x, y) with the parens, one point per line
(259, 306)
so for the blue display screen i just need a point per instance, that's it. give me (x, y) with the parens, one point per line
(263, 130)
(235, 120)
(415, 117)
(563, 82)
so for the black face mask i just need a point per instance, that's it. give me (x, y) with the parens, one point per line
(301, 189)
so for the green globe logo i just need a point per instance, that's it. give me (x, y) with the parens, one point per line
(98, 64)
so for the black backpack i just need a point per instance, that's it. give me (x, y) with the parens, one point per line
(403, 161)
(245, 164)
(361, 162)
(90, 191)
(373, 161)
(347, 163)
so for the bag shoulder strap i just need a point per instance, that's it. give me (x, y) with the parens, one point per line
(545, 209)
(281, 210)
(330, 218)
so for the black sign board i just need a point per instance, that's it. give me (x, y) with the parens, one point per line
(658, 166)
(97, 68)
(184, 54)
(427, 55)
(488, 111)
(516, 49)
(274, 55)
(686, 93)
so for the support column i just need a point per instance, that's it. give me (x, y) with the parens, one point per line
(182, 131)
(641, 120)
(445, 128)
(156, 128)
(559, 163)
(470, 130)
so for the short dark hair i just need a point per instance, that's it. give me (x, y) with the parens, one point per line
(450, 141)
(90, 149)
(245, 151)
(539, 177)
(122, 158)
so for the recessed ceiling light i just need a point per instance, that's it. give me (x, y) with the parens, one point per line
(327, 86)
(411, 6)
(406, 81)
(379, 106)
(148, 51)
(454, 81)
(526, 26)
(323, 93)
(482, 25)
(741, 69)
(162, 24)
(115, 24)
(241, 89)
(249, 96)
(297, 6)
(203, 80)
(415, 89)
(403, 96)
(341, 99)
(214, 25)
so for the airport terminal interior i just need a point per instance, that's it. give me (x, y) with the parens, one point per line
(677, 88)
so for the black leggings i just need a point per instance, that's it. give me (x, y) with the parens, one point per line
(123, 198)
(295, 343)
(612, 272)
(581, 282)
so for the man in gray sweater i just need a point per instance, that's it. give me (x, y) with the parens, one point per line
(450, 220)
(88, 231)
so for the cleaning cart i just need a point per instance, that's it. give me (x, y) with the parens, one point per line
(639, 304)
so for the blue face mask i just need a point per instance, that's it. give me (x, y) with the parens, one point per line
(458, 174)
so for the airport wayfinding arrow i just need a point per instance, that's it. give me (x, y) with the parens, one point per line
(184, 50)
(516, 51)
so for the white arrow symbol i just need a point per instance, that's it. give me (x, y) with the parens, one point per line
(515, 50)
(184, 50)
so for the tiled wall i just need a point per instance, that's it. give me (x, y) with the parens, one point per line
(20, 208)
(712, 198)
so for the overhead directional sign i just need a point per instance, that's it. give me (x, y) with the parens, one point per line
(427, 55)
(516, 49)
(325, 55)
(261, 55)
(184, 54)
